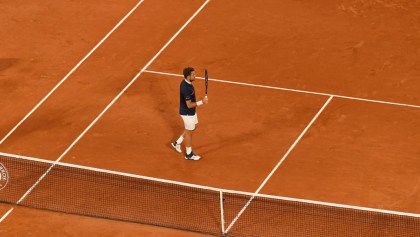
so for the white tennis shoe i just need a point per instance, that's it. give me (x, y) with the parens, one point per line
(177, 147)
(192, 156)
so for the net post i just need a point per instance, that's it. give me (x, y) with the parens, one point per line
(222, 215)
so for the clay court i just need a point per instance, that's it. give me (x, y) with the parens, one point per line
(309, 100)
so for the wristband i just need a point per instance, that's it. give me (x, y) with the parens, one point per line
(200, 102)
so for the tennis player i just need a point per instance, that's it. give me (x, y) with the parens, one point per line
(187, 110)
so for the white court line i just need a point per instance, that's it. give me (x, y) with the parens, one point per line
(293, 90)
(69, 73)
(278, 164)
(110, 104)
(5, 215)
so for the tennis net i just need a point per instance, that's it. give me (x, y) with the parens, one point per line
(93, 192)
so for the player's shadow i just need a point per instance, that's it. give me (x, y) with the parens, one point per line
(6, 63)
(173, 121)
(167, 106)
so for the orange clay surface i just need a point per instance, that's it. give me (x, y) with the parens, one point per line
(357, 153)
(41, 43)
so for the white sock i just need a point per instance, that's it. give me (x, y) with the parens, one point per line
(180, 139)
(189, 150)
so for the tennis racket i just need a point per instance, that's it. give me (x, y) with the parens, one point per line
(206, 80)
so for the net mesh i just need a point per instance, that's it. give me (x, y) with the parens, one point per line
(110, 196)
(94, 193)
(276, 217)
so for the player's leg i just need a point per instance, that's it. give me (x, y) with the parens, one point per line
(177, 144)
(190, 126)
(188, 139)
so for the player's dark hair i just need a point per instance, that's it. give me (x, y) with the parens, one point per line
(187, 71)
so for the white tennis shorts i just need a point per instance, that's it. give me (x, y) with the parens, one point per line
(190, 121)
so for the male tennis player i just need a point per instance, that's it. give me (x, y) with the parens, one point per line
(187, 110)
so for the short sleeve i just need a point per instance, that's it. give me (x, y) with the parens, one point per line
(187, 93)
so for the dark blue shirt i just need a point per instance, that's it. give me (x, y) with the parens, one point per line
(187, 92)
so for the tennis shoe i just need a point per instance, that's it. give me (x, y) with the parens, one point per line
(177, 147)
(192, 156)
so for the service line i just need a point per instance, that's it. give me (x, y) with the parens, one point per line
(292, 90)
